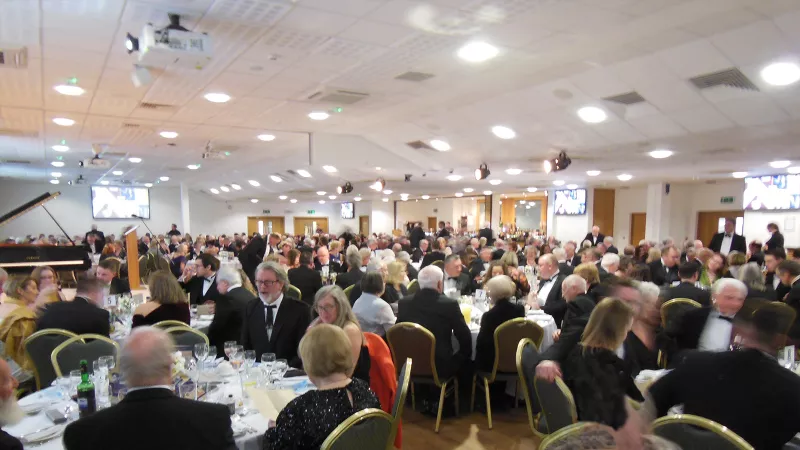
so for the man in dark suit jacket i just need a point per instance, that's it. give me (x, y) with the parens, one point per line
(481, 264)
(776, 238)
(323, 259)
(305, 278)
(436, 254)
(486, 232)
(443, 232)
(686, 288)
(729, 239)
(772, 258)
(417, 235)
(107, 272)
(595, 237)
(550, 288)
(665, 270)
(454, 277)
(252, 255)
(789, 273)
(442, 317)
(83, 315)
(99, 238)
(228, 309)
(274, 323)
(151, 416)
(502, 288)
(767, 413)
(422, 250)
(201, 288)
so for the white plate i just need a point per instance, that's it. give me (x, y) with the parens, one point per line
(44, 435)
(32, 404)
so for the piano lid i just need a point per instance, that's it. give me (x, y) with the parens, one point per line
(38, 201)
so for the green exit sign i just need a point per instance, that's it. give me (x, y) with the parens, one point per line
(266, 211)
(726, 199)
(310, 211)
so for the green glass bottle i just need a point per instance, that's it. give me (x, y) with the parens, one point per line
(86, 401)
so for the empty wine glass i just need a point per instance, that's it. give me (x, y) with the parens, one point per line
(229, 345)
(212, 353)
(279, 368)
(109, 362)
(74, 381)
(201, 352)
(249, 358)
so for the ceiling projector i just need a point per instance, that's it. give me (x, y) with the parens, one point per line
(162, 47)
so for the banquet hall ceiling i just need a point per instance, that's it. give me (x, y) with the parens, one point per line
(272, 57)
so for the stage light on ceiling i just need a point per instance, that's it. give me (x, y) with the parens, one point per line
(468, 190)
(275, 179)
(117, 172)
(57, 163)
(513, 171)
(532, 189)
(303, 173)
(357, 199)
(168, 134)
(572, 186)
(332, 197)
(193, 166)
(558, 182)
(780, 164)
(330, 169)
(593, 173)
(459, 194)
(148, 185)
(624, 177)
(318, 115)
(495, 182)
(236, 186)
(378, 185)
(224, 189)
(131, 43)
(793, 170)
(592, 114)
(104, 182)
(164, 178)
(266, 137)
(283, 197)
(217, 97)
(482, 172)
(135, 160)
(440, 145)
(69, 89)
(294, 200)
(253, 200)
(214, 191)
(503, 132)
(425, 197)
(557, 164)
(254, 183)
(739, 174)
(781, 74)
(385, 200)
(60, 148)
(477, 52)
(454, 177)
(661, 153)
(63, 121)
(487, 192)
(54, 181)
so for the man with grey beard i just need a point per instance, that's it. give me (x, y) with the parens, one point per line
(10, 412)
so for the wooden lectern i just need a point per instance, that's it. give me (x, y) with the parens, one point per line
(132, 254)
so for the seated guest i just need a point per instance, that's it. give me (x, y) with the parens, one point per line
(665, 270)
(83, 315)
(409, 269)
(750, 274)
(108, 273)
(395, 281)
(229, 307)
(640, 350)
(579, 307)
(305, 278)
(713, 270)
(500, 290)
(334, 250)
(442, 317)
(292, 259)
(354, 273)
(789, 273)
(145, 363)
(561, 255)
(735, 261)
(377, 266)
(771, 260)
(591, 274)
(10, 412)
(496, 268)
(167, 302)
(19, 317)
(200, 285)
(273, 323)
(366, 255)
(626, 266)
(179, 258)
(767, 413)
(549, 296)
(323, 259)
(436, 254)
(47, 282)
(456, 283)
(306, 421)
(686, 288)
(594, 373)
(609, 265)
(374, 314)
(755, 253)
(421, 251)
(653, 255)
(481, 264)
(109, 251)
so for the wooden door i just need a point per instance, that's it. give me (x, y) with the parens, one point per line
(708, 223)
(265, 225)
(308, 225)
(638, 223)
(603, 210)
(433, 225)
(363, 225)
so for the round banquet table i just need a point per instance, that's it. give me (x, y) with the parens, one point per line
(545, 321)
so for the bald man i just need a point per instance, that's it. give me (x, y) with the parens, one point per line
(151, 416)
(10, 412)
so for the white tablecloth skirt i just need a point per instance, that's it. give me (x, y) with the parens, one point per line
(545, 321)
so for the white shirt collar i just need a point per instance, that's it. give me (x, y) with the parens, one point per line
(158, 386)
(276, 303)
(794, 280)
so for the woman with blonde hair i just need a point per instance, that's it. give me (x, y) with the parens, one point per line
(735, 261)
(18, 314)
(495, 268)
(167, 301)
(589, 272)
(246, 283)
(334, 250)
(598, 378)
(47, 282)
(396, 280)
(511, 260)
(653, 254)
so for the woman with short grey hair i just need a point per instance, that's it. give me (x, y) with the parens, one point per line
(750, 274)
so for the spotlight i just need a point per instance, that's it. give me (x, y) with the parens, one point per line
(482, 172)
(378, 185)
(346, 188)
(131, 43)
(560, 163)
(407, 177)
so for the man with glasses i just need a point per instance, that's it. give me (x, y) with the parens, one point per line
(274, 323)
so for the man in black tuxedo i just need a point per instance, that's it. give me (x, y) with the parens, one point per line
(549, 297)
(442, 317)
(274, 323)
(272, 245)
(756, 255)
(772, 258)
(608, 242)
(595, 237)
(728, 241)
(417, 235)
(665, 270)
(252, 255)
(201, 287)
(228, 309)
(151, 416)
(609, 265)
(83, 315)
(421, 251)
(766, 412)
(354, 274)
(144, 245)
(305, 278)
(789, 273)
(324, 260)
(776, 238)
(174, 231)
(93, 243)
(481, 264)
(455, 280)
(572, 259)
(443, 232)
(687, 289)
(499, 249)
(486, 232)
(437, 254)
(563, 267)
(99, 236)
(108, 273)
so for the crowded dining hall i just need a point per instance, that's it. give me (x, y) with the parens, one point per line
(388, 224)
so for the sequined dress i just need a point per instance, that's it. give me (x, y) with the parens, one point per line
(307, 420)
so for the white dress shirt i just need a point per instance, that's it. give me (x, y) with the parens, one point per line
(776, 281)
(725, 248)
(545, 287)
(450, 283)
(158, 386)
(207, 282)
(374, 314)
(277, 304)
(716, 335)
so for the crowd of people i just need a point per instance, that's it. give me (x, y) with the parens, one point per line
(290, 298)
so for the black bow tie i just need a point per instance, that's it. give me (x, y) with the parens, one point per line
(728, 235)
(210, 280)
(726, 318)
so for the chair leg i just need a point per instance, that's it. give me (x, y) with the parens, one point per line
(488, 403)
(472, 398)
(441, 404)
(413, 400)
(458, 409)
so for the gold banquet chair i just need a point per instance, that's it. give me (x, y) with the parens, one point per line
(671, 311)
(348, 290)
(164, 324)
(557, 403)
(368, 429)
(400, 400)
(295, 291)
(38, 348)
(187, 337)
(411, 340)
(690, 431)
(527, 358)
(581, 435)
(413, 287)
(506, 340)
(68, 355)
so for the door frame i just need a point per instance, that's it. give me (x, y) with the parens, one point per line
(360, 229)
(280, 219)
(317, 218)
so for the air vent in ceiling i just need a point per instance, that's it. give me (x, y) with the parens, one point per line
(154, 106)
(14, 58)
(15, 161)
(419, 145)
(628, 98)
(719, 152)
(414, 76)
(130, 125)
(337, 96)
(729, 77)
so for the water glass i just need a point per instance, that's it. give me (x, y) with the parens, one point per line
(63, 384)
(249, 358)
(109, 362)
(74, 381)
(236, 356)
(201, 352)
(212, 353)
(279, 368)
(229, 345)
(187, 390)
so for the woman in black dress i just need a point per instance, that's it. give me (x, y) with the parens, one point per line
(167, 301)
(500, 289)
(306, 421)
(641, 351)
(395, 282)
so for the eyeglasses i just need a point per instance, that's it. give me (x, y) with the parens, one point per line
(267, 283)
(327, 309)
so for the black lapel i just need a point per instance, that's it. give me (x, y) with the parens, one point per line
(283, 316)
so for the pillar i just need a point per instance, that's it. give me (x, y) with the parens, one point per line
(658, 207)
(184, 225)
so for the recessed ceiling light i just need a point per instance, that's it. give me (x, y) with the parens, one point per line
(780, 164)
(57, 163)
(214, 191)
(468, 190)
(294, 200)
(558, 182)
(266, 137)
(378, 169)
(318, 115)
(217, 97)
(168, 134)
(303, 173)
(425, 197)
(532, 189)
(495, 182)
(739, 174)
(254, 183)
(282, 197)
(54, 181)
(148, 184)
(661, 153)
(503, 132)
(387, 191)
(135, 160)
(522, 202)
(572, 186)
(330, 169)
(236, 186)
(592, 114)
(459, 194)
(193, 167)
(224, 189)
(513, 171)
(55, 174)
(358, 199)
(454, 177)
(69, 89)
(64, 122)
(274, 178)
(440, 145)
(781, 74)
(487, 192)
(164, 178)
(60, 148)
(793, 170)
(477, 51)
(332, 197)
(322, 202)
(104, 182)
(385, 200)
(321, 192)
(253, 200)
(624, 177)
(117, 172)
(593, 173)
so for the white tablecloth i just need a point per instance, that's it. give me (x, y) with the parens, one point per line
(545, 321)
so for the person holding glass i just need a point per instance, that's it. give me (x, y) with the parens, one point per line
(167, 301)
(49, 291)
(306, 421)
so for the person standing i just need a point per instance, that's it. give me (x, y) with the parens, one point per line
(174, 231)
(201, 288)
(728, 241)
(775, 239)
(228, 309)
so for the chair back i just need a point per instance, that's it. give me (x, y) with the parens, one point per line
(788, 312)
(295, 291)
(67, 279)
(348, 290)
(413, 341)
(582, 435)
(144, 271)
(689, 431)
(527, 359)
(67, 356)
(164, 324)
(439, 264)
(400, 399)
(365, 430)
(412, 287)
(558, 406)
(506, 340)
(186, 337)
(38, 348)
(673, 309)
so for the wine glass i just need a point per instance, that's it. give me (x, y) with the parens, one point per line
(201, 352)
(279, 368)
(212, 353)
(249, 358)
(74, 381)
(109, 362)
(267, 360)
(236, 356)
(229, 345)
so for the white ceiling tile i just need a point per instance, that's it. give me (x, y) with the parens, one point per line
(787, 23)
(618, 132)
(416, 14)
(696, 58)
(750, 112)
(355, 8)
(790, 104)
(701, 119)
(720, 94)
(772, 8)
(263, 68)
(263, 13)
(235, 84)
(376, 33)
(719, 23)
(20, 87)
(19, 23)
(639, 110)
(664, 39)
(120, 83)
(758, 43)
(670, 96)
(600, 82)
(646, 70)
(657, 126)
(113, 105)
(315, 21)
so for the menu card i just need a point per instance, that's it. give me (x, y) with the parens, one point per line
(270, 402)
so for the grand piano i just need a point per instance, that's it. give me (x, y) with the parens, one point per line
(23, 258)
